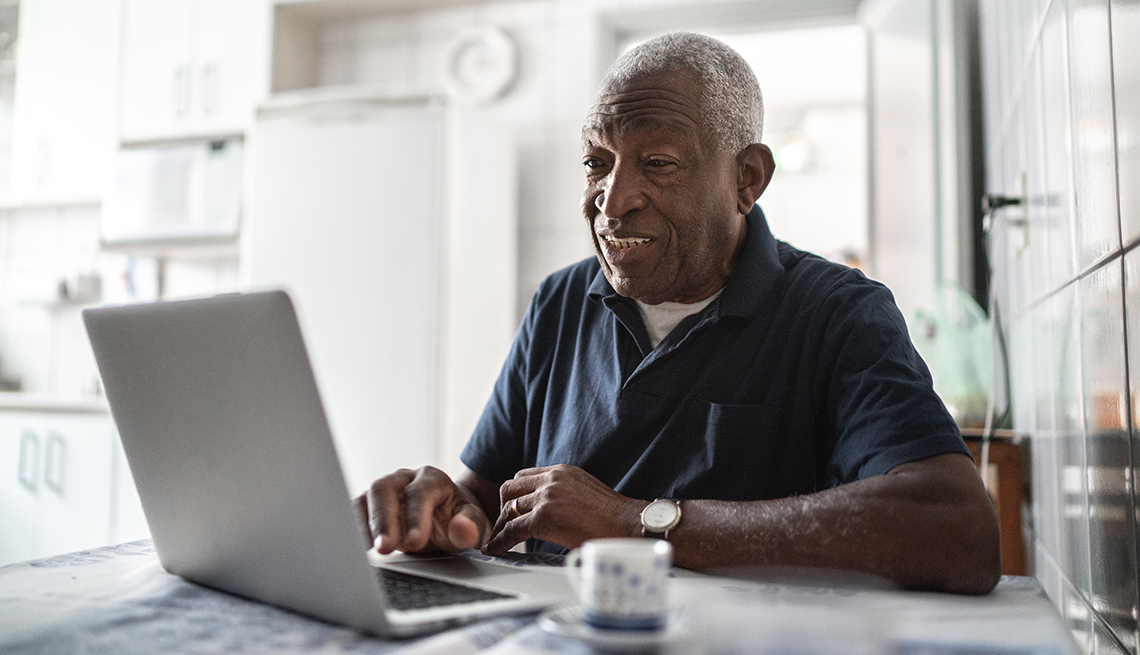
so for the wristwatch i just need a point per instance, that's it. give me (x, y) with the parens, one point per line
(659, 517)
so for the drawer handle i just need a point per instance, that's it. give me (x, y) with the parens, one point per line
(55, 461)
(29, 459)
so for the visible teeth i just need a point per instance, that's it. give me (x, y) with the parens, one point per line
(627, 242)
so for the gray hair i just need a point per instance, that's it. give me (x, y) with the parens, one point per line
(733, 106)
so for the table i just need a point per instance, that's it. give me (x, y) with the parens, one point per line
(119, 600)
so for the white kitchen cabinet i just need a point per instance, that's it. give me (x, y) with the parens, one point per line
(192, 68)
(17, 495)
(63, 114)
(157, 75)
(128, 523)
(61, 489)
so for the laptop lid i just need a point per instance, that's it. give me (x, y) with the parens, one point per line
(230, 449)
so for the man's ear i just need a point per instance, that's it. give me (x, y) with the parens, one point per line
(754, 167)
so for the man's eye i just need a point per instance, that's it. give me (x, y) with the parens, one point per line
(657, 163)
(593, 163)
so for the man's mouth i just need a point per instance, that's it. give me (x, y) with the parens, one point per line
(625, 243)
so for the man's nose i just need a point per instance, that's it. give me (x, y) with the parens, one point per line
(622, 192)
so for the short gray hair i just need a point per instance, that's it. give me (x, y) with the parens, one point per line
(733, 105)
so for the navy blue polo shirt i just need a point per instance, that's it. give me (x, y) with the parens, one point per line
(801, 376)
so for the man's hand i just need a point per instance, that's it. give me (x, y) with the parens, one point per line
(564, 505)
(424, 510)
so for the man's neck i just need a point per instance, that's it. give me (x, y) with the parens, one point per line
(660, 319)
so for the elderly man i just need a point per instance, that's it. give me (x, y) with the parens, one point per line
(702, 382)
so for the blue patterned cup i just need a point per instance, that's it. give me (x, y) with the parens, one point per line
(623, 583)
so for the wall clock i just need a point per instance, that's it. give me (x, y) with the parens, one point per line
(480, 64)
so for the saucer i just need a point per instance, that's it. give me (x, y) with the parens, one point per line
(570, 621)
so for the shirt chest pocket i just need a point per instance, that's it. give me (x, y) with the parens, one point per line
(732, 438)
(730, 418)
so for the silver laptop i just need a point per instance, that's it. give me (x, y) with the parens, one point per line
(225, 434)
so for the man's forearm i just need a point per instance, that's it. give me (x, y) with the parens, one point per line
(928, 525)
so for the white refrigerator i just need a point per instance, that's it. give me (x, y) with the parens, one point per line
(347, 214)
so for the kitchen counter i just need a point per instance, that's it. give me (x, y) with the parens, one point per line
(52, 403)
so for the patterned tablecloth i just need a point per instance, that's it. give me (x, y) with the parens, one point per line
(119, 600)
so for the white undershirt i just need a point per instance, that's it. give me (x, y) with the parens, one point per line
(661, 319)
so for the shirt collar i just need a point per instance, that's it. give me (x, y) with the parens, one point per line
(755, 273)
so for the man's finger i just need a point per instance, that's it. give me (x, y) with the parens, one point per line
(482, 527)
(384, 515)
(525, 473)
(513, 531)
(360, 506)
(512, 509)
(423, 498)
(462, 532)
(517, 487)
(507, 512)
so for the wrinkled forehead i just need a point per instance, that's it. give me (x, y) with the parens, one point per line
(668, 105)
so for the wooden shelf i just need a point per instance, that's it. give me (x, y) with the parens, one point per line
(1006, 480)
(997, 435)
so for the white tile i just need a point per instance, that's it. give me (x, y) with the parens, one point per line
(1126, 74)
(79, 229)
(33, 229)
(199, 279)
(1058, 161)
(73, 370)
(1094, 164)
(1022, 372)
(337, 58)
(388, 64)
(426, 66)
(28, 357)
(33, 279)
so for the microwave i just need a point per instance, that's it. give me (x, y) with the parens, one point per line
(174, 193)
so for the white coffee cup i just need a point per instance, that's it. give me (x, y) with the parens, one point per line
(623, 583)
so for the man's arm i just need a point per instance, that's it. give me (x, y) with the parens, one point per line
(924, 525)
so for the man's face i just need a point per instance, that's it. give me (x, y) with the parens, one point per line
(661, 192)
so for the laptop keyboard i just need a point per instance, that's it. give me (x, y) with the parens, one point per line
(410, 592)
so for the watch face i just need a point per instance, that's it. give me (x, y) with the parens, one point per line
(660, 514)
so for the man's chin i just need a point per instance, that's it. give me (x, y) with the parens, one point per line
(637, 292)
(646, 288)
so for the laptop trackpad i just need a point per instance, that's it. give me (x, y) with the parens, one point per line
(455, 568)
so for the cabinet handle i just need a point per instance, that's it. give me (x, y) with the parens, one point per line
(210, 79)
(181, 91)
(55, 459)
(29, 459)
